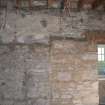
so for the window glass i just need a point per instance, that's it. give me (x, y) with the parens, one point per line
(99, 50)
(101, 59)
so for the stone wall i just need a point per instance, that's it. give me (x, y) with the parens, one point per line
(62, 73)
(102, 91)
(74, 74)
(24, 78)
(40, 25)
(36, 70)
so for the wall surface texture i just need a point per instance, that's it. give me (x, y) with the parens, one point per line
(24, 27)
(74, 74)
(24, 78)
(63, 73)
(44, 61)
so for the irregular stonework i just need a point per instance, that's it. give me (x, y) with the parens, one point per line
(63, 73)
(37, 27)
(74, 74)
(38, 70)
(102, 91)
(24, 78)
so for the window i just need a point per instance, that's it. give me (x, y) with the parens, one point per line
(101, 59)
(101, 53)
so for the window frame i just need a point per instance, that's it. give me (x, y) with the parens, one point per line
(101, 54)
(101, 61)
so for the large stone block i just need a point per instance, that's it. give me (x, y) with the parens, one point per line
(7, 102)
(36, 90)
(42, 101)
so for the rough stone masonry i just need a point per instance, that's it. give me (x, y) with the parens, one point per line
(62, 73)
(74, 73)
(36, 69)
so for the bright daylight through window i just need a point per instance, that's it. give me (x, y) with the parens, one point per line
(101, 59)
